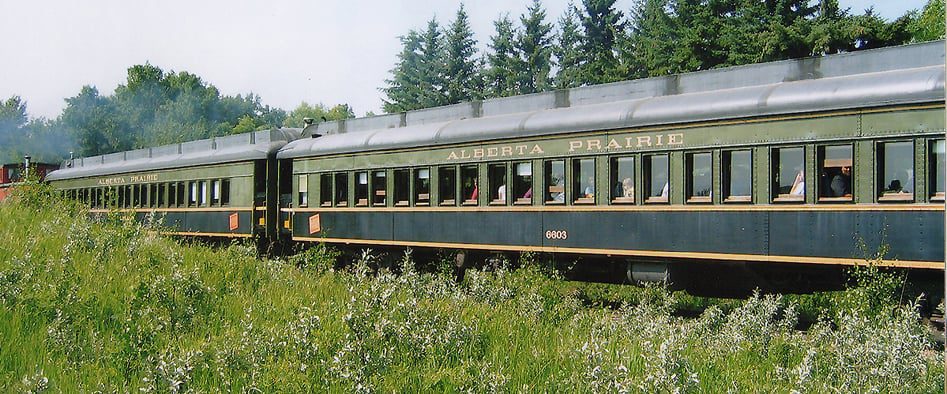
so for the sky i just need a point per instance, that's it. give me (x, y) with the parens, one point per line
(285, 51)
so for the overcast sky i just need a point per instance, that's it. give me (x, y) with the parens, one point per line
(286, 51)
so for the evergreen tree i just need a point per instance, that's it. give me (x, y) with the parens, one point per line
(501, 77)
(602, 24)
(434, 79)
(929, 25)
(463, 80)
(534, 44)
(404, 88)
(652, 42)
(568, 51)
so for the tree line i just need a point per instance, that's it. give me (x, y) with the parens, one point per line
(595, 43)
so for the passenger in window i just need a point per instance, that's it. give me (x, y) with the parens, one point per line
(528, 194)
(799, 184)
(476, 191)
(501, 192)
(627, 188)
(841, 185)
(590, 188)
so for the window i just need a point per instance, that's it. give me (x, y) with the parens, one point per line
(523, 183)
(203, 195)
(835, 175)
(583, 181)
(789, 176)
(225, 192)
(422, 186)
(127, 202)
(192, 200)
(470, 184)
(497, 176)
(361, 189)
(161, 190)
(182, 193)
(447, 185)
(379, 187)
(936, 164)
(555, 182)
(325, 190)
(896, 171)
(341, 189)
(737, 176)
(172, 194)
(700, 177)
(303, 190)
(402, 192)
(657, 180)
(153, 195)
(623, 180)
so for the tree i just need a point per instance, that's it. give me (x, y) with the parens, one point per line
(602, 24)
(93, 121)
(434, 79)
(567, 51)
(404, 88)
(534, 44)
(318, 113)
(650, 47)
(463, 80)
(929, 25)
(502, 75)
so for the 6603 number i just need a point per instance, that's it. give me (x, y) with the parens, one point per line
(557, 234)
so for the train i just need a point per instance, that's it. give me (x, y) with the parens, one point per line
(753, 174)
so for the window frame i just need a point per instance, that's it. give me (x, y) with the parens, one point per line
(774, 173)
(647, 162)
(689, 178)
(547, 186)
(880, 157)
(493, 169)
(615, 183)
(415, 177)
(726, 176)
(340, 196)
(933, 168)
(363, 199)
(452, 185)
(577, 181)
(822, 185)
(525, 200)
(406, 173)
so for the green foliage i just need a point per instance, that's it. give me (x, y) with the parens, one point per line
(567, 50)
(110, 305)
(154, 107)
(319, 113)
(929, 25)
(42, 139)
(603, 26)
(463, 79)
(534, 44)
(502, 76)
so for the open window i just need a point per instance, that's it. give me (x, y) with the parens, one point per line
(699, 177)
(583, 181)
(303, 190)
(469, 185)
(896, 171)
(402, 186)
(447, 185)
(555, 182)
(225, 192)
(498, 184)
(325, 190)
(835, 173)
(623, 180)
(523, 183)
(657, 179)
(789, 174)
(379, 188)
(737, 176)
(422, 187)
(341, 189)
(361, 189)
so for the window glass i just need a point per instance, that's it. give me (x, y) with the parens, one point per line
(937, 169)
(225, 192)
(153, 195)
(700, 179)
(172, 194)
(656, 178)
(161, 190)
(555, 182)
(379, 187)
(361, 189)
(325, 190)
(583, 181)
(789, 177)
(523, 183)
(341, 189)
(738, 173)
(193, 193)
(303, 191)
(623, 179)
(498, 186)
(835, 174)
(402, 188)
(129, 195)
(470, 186)
(203, 195)
(182, 193)
(422, 186)
(896, 162)
(447, 185)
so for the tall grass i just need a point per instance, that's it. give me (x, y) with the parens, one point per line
(111, 306)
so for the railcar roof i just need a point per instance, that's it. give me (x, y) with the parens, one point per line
(888, 76)
(232, 148)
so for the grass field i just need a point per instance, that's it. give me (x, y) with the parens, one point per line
(111, 306)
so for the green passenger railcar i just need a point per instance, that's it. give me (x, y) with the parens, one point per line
(796, 162)
(214, 187)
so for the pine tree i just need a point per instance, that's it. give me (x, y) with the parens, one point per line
(501, 76)
(652, 40)
(567, 51)
(602, 24)
(463, 80)
(434, 80)
(534, 44)
(404, 88)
